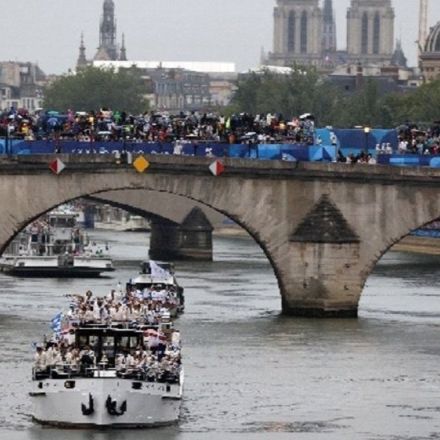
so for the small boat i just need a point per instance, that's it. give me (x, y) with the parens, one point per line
(159, 275)
(55, 247)
(108, 374)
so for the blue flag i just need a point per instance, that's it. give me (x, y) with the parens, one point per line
(56, 323)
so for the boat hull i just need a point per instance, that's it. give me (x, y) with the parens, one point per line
(152, 405)
(53, 267)
(56, 272)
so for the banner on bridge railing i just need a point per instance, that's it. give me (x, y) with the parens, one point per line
(287, 152)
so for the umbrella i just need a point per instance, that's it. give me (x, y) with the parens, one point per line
(307, 116)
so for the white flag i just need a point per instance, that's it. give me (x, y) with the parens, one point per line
(158, 272)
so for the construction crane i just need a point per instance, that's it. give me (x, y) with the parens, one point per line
(423, 25)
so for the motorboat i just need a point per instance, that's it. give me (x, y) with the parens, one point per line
(113, 370)
(97, 393)
(55, 247)
(159, 276)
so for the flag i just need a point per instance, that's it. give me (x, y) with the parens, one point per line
(57, 166)
(56, 323)
(158, 272)
(217, 168)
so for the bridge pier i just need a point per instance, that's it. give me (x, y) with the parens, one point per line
(191, 240)
(320, 277)
(321, 280)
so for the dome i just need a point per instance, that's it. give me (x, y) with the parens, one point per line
(433, 41)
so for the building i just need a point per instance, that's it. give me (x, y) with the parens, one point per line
(370, 31)
(430, 55)
(305, 33)
(109, 49)
(183, 86)
(298, 33)
(21, 85)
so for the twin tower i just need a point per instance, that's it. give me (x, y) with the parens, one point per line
(305, 33)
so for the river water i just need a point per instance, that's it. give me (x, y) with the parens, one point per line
(251, 373)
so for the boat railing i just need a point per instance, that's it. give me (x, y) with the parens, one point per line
(72, 371)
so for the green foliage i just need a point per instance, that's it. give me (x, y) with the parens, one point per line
(298, 92)
(93, 88)
(304, 90)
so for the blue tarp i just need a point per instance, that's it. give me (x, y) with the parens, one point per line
(354, 141)
(409, 160)
(293, 152)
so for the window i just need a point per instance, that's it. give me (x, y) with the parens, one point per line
(364, 38)
(291, 30)
(376, 34)
(304, 26)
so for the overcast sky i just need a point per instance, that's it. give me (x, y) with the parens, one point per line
(48, 31)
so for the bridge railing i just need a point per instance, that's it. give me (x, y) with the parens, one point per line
(288, 152)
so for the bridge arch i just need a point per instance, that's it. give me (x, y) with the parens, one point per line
(323, 227)
(48, 191)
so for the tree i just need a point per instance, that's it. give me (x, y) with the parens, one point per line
(300, 91)
(93, 88)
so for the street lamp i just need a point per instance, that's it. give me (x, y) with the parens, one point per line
(367, 131)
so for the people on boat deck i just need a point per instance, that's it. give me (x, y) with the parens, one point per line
(158, 358)
(147, 306)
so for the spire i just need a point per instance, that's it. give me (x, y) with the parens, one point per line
(423, 25)
(399, 59)
(82, 59)
(107, 33)
(328, 11)
(123, 54)
(329, 34)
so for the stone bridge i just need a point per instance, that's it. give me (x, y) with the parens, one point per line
(323, 227)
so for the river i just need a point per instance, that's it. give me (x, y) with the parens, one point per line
(251, 373)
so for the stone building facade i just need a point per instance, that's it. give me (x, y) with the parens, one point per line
(370, 31)
(298, 33)
(305, 33)
(430, 55)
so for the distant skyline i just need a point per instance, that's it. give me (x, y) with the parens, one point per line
(48, 31)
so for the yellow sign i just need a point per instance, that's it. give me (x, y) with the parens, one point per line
(141, 164)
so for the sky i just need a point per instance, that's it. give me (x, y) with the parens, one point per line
(48, 31)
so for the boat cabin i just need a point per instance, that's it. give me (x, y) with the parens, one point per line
(109, 342)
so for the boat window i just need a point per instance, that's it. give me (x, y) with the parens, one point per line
(83, 341)
(93, 342)
(128, 342)
(108, 344)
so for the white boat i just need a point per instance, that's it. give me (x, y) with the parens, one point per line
(57, 247)
(162, 275)
(101, 396)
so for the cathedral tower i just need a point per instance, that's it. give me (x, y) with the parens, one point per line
(298, 33)
(370, 31)
(108, 49)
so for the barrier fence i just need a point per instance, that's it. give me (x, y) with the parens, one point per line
(292, 152)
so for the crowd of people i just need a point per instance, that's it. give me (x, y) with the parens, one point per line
(156, 358)
(108, 125)
(416, 140)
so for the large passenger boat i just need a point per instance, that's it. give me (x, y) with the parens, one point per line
(120, 370)
(57, 247)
